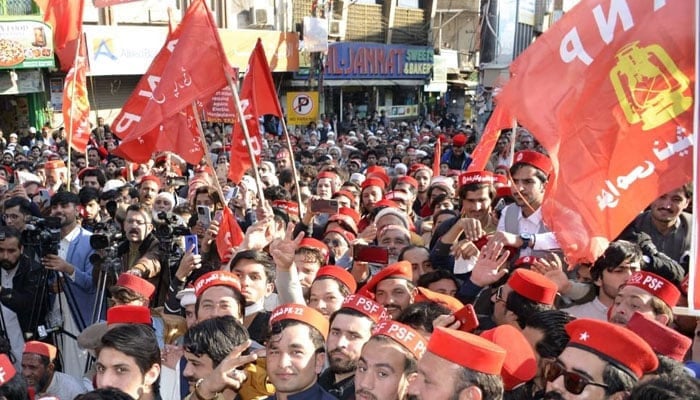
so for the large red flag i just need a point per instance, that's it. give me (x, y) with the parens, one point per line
(230, 234)
(190, 67)
(76, 106)
(66, 19)
(608, 92)
(258, 97)
(499, 120)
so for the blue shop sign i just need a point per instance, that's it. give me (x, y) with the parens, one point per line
(355, 60)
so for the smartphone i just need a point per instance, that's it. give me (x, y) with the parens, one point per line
(467, 318)
(325, 206)
(190, 241)
(44, 195)
(371, 254)
(230, 194)
(204, 215)
(218, 216)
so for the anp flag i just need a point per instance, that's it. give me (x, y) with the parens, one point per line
(66, 19)
(230, 234)
(608, 92)
(499, 120)
(694, 276)
(258, 97)
(76, 106)
(193, 68)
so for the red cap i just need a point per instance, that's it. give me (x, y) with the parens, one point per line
(345, 193)
(525, 261)
(468, 350)
(327, 175)
(438, 298)
(468, 178)
(500, 180)
(459, 140)
(216, 278)
(533, 286)
(534, 158)
(281, 155)
(371, 181)
(379, 172)
(350, 212)
(303, 314)
(520, 364)
(84, 170)
(613, 343)
(315, 244)
(504, 191)
(404, 335)
(340, 274)
(54, 164)
(408, 179)
(7, 370)
(349, 221)
(656, 286)
(151, 178)
(386, 203)
(349, 236)
(660, 337)
(289, 207)
(40, 348)
(373, 310)
(129, 314)
(401, 269)
(417, 167)
(138, 285)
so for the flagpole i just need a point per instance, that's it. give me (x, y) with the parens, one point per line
(244, 126)
(294, 167)
(205, 147)
(70, 112)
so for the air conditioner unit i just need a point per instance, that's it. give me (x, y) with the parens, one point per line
(336, 29)
(262, 16)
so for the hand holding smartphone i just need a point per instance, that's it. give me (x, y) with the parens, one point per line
(468, 321)
(371, 254)
(204, 216)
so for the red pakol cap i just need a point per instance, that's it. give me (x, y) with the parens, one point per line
(371, 181)
(138, 285)
(150, 178)
(613, 343)
(129, 314)
(350, 212)
(373, 310)
(378, 172)
(302, 313)
(327, 175)
(401, 269)
(533, 286)
(216, 278)
(403, 335)
(417, 167)
(408, 179)
(340, 274)
(345, 193)
(468, 350)
(660, 337)
(289, 207)
(40, 348)
(525, 261)
(534, 158)
(438, 298)
(397, 195)
(459, 140)
(315, 244)
(54, 164)
(655, 286)
(468, 178)
(7, 370)
(520, 365)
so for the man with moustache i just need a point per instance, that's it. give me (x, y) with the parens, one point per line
(392, 287)
(38, 369)
(350, 328)
(148, 190)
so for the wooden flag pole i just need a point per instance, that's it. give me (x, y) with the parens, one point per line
(241, 120)
(207, 157)
(294, 168)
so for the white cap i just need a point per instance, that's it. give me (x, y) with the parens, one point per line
(113, 184)
(357, 178)
(186, 297)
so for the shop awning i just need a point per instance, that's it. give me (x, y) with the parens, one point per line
(364, 82)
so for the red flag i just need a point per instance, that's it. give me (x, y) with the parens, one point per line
(258, 97)
(616, 120)
(66, 19)
(498, 121)
(190, 67)
(437, 156)
(76, 107)
(230, 234)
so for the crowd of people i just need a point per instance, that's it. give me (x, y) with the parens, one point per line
(361, 274)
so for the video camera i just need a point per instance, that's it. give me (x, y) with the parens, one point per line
(168, 225)
(44, 234)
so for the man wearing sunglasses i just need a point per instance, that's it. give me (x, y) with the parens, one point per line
(602, 361)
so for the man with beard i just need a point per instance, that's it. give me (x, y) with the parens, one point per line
(388, 362)
(602, 361)
(140, 253)
(56, 175)
(72, 280)
(392, 287)
(350, 328)
(148, 190)
(650, 294)
(38, 369)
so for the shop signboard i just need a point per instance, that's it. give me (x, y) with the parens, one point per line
(21, 81)
(25, 42)
(357, 60)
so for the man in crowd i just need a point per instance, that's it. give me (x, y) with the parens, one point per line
(38, 368)
(650, 294)
(392, 287)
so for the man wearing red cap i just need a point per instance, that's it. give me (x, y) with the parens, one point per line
(308, 258)
(526, 292)
(422, 174)
(650, 294)
(388, 362)
(459, 365)
(350, 327)
(457, 157)
(393, 287)
(218, 294)
(521, 225)
(38, 369)
(330, 288)
(296, 352)
(602, 361)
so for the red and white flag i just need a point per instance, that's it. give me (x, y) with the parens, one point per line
(230, 234)
(76, 106)
(608, 92)
(66, 19)
(258, 97)
(498, 121)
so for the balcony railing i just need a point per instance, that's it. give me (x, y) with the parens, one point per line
(17, 7)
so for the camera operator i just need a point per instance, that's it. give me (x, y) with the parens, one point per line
(76, 292)
(140, 254)
(23, 294)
